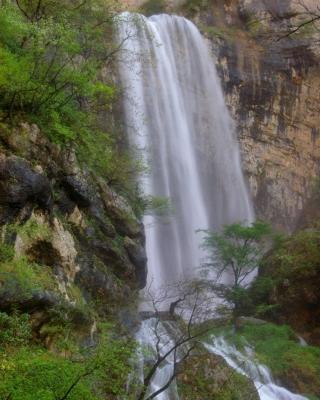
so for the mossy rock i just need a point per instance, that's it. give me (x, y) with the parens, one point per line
(207, 376)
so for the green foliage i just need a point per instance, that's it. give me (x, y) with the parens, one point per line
(54, 62)
(21, 278)
(6, 252)
(32, 230)
(30, 372)
(152, 7)
(297, 256)
(237, 249)
(50, 60)
(114, 361)
(15, 329)
(159, 206)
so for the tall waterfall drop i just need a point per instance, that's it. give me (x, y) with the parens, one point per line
(176, 115)
(177, 119)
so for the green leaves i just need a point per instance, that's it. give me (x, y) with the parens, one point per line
(237, 249)
(15, 329)
(47, 69)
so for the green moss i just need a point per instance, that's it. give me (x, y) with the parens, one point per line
(6, 252)
(22, 278)
(31, 372)
(32, 230)
(15, 329)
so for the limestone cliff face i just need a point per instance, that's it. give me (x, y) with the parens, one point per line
(272, 85)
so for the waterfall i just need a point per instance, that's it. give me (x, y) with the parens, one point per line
(177, 118)
(177, 121)
(245, 364)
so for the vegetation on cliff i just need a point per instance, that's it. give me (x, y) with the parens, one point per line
(71, 251)
(288, 282)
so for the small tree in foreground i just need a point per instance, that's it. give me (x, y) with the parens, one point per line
(174, 334)
(236, 253)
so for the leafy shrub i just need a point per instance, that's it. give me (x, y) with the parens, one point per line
(15, 329)
(45, 69)
(32, 230)
(21, 278)
(35, 374)
(31, 373)
(6, 252)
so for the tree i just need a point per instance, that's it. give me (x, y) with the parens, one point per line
(173, 334)
(235, 252)
(307, 17)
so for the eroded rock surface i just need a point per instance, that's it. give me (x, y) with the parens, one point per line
(77, 231)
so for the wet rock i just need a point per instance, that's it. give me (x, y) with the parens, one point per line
(78, 189)
(120, 212)
(138, 256)
(19, 183)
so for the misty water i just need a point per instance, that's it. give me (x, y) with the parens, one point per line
(178, 123)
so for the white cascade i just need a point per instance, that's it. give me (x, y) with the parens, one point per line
(176, 115)
(177, 121)
(244, 363)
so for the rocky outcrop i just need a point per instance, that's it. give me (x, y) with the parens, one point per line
(63, 221)
(207, 376)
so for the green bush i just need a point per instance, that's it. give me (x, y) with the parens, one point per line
(48, 69)
(6, 252)
(32, 230)
(15, 329)
(21, 279)
(33, 373)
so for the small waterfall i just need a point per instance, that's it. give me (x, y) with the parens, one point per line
(176, 116)
(245, 364)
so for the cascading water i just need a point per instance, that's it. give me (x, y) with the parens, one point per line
(177, 120)
(175, 113)
(245, 364)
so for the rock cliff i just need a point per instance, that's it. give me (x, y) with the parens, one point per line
(66, 226)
